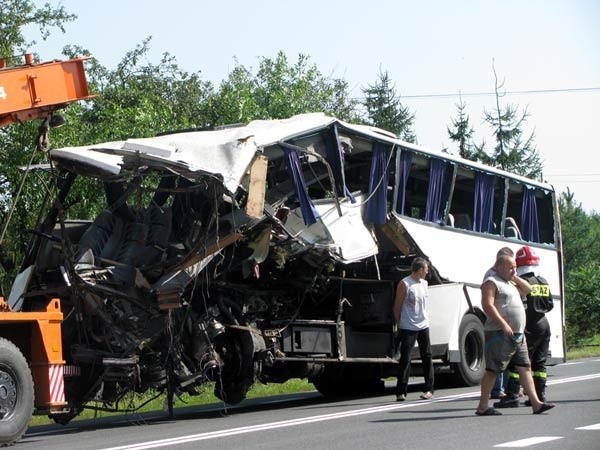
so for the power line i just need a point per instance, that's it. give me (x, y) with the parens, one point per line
(480, 94)
(573, 174)
(573, 178)
(486, 94)
(574, 181)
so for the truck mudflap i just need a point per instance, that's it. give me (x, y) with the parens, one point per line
(45, 347)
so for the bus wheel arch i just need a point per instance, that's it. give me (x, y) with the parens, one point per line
(16, 393)
(471, 344)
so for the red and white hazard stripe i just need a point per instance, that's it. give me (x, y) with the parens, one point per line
(57, 385)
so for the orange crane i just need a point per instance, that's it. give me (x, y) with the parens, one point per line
(33, 91)
(31, 358)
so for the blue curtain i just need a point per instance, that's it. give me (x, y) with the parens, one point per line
(403, 171)
(378, 183)
(335, 157)
(529, 216)
(437, 194)
(484, 202)
(309, 213)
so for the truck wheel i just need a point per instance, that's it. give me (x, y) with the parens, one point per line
(16, 393)
(471, 341)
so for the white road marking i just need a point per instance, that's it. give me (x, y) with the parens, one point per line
(288, 423)
(574, 363)
(573, 379)
(596, 426)
(529, 441)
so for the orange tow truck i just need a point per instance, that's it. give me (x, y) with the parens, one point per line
(31, 357)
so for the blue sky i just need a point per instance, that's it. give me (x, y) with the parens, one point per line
(428, 48)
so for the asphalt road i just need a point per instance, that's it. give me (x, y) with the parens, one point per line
(308, 421)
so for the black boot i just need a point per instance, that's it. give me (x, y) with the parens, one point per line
(540, 389)
(508, 402)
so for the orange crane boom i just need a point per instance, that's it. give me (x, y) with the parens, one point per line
(33, 91)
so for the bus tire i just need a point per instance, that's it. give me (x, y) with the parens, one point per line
(471, 341)
(16, 393)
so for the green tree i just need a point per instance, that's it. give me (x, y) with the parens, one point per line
(581, 253)
(278, 90)
(513, 152)
(462, 133)
(580, 233)
(583, 302)
(235, 101)
(16, 14)
(384, 109)
(18, 142)
(137, 99)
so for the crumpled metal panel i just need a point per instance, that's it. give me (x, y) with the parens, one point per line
(346, 235)
(226, 153)
(89, 161)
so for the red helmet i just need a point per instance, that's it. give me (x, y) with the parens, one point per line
(526, 257)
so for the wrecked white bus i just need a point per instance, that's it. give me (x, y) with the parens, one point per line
(267, 252)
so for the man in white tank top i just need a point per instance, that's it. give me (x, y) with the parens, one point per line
(410, 312)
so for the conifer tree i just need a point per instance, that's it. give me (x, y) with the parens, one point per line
(462, 133)
(513, 151)
(384, 109)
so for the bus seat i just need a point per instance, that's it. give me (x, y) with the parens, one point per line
(511, 229)
(97, 234)
(463, 221)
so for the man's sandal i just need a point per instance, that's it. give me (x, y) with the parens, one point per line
(490, 412)
(545, 407)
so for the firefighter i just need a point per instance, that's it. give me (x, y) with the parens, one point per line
(537, 329)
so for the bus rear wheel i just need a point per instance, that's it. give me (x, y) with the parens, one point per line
(16, 393)
(471, 340)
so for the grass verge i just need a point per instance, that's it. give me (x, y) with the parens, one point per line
(587, 348)
(205, 397)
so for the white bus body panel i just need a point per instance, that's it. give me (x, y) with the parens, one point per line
(447, 305)
(464, 257)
